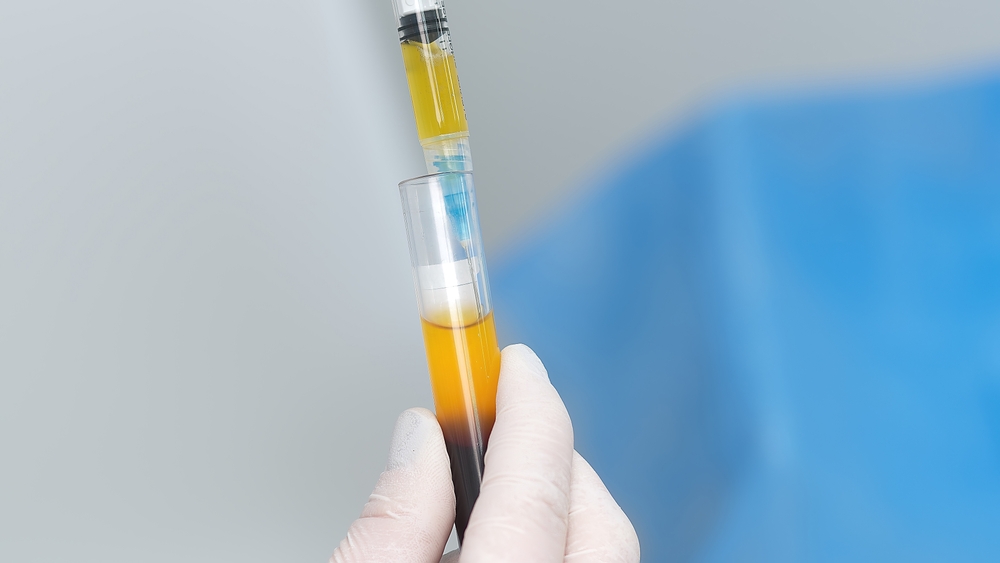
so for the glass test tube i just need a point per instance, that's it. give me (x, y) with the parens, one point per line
(432, 77)
(453, 299)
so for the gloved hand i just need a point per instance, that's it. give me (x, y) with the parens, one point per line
(540, 500)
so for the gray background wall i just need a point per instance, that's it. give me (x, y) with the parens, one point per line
(206, 319)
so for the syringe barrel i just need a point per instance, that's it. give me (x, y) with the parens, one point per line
(453, 299)
(432, 77)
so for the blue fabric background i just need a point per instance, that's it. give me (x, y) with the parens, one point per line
(778, 332)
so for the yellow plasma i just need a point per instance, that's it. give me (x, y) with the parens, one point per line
(433, 81)
(464, 362)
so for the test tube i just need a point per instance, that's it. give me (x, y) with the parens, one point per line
(432, 77)
(453, 299)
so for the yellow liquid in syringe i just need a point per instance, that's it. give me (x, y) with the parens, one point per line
(433, 80)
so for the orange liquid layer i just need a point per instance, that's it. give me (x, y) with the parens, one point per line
(464, 364)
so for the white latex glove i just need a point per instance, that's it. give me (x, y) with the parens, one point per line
(540, 500)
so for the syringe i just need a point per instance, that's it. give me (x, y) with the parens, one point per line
(446, 249)
(433, 80)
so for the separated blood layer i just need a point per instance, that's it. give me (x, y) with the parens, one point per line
(464, 364)
(433, 80)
